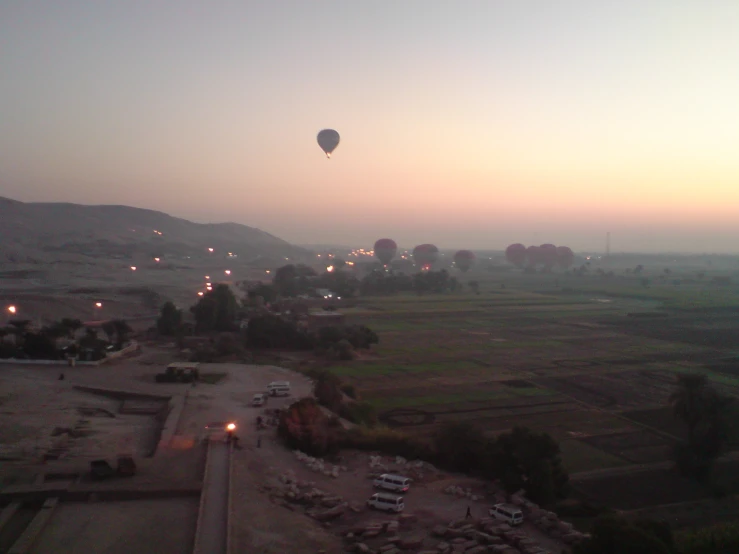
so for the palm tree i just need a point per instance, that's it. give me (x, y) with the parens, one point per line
(693, 402)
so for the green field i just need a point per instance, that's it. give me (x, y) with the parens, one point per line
(556, 353)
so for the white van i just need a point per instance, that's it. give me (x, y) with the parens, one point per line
(387, 502)
(392, 482)
(279, 388)
(258, 400)
(507, 513)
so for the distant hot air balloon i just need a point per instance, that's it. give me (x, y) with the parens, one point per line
(533, 256)
(565, 257)
(548, 255)
(328, 140)
(516, 254)
(425, 255)
(464, 260)
(385, 250)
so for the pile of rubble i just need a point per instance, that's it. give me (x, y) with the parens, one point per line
(460, 492)
(413, 469)
(386, 534)
(318, 465)
(548, 522)
(318, 504)
(467, 536)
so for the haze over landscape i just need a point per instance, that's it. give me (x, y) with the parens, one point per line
(467, 124)
(268, 269)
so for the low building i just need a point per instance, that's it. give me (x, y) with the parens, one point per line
(317, 320)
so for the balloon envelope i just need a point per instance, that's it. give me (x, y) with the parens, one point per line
(464, 260)
(548, 254)
(425, 254)
(385, 250)
(533, 255)
(565, 256)
(328, 140)
(516, 254)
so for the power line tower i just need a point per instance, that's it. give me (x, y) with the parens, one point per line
(608, 244)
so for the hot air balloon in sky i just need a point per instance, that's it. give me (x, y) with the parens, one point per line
(425, 255)
(516, 254)
(328, 140)
(464, 260)
(385, 250)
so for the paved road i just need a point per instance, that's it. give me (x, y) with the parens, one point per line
(213, 527)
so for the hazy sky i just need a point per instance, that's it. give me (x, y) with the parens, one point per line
(463, 123)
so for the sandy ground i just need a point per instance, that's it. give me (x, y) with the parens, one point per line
(35, 400)
(36, 409)
(156, 527)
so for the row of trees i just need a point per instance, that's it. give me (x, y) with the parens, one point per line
(43, 343)
(382, 283)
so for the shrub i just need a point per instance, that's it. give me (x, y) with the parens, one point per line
(350, 391)
(304, 426)
(361, 413)
(388, 441)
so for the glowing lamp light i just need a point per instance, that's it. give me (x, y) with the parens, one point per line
(156, 260)
(133, 268)
(210, 250)
(268, 272)
(208, 284)
(200, 293)
(12, 309)
(227, 272)
(207, 277)
(209, 288)
(231, 426)
(98, 304)
(330, 268)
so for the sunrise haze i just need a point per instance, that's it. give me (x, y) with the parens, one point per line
(466, 124)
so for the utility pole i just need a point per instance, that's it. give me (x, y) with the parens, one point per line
(608, 244)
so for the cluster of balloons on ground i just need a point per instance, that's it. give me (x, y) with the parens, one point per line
(546, 255)
(425, 255)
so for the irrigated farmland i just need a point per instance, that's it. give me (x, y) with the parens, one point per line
(592, 367)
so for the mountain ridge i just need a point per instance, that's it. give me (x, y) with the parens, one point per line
(30, 229)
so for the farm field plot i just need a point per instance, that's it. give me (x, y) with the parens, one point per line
(571, 364)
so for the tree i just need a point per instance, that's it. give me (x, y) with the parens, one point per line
(327, 389)
(272, 331)
(216, 310)
(170, 319)
(461, 447)
(71, 325)
(524, 459)
(689, 401)
(292, 280)
(122, 332)
(109, 330)
(268, 293)
(706, 414)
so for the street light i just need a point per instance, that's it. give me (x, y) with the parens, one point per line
(227, 272)
(12, 309)
(98, 304)
(133, 268)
